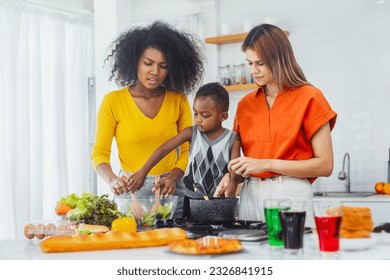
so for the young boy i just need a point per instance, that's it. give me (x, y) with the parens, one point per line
(212, 146)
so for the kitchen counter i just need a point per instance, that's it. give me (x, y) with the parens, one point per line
(371, 198)
(30, 250)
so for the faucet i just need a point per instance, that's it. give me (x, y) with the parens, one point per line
(346, 175)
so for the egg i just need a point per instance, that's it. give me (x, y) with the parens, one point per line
(40, 231)
(70, 229)
(50, 229)
(29, 231)
(61, 229)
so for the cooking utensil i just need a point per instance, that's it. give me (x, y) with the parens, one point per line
(216, 209)
(202, 190)
(157, 194)
(136, 207)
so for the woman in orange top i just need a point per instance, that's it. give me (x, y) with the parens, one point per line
(284, 127)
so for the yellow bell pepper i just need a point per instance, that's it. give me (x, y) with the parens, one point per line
(125, 224)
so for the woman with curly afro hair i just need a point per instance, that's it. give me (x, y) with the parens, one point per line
(156, 66)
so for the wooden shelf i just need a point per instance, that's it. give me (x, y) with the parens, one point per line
(228, 39)
(240, 87)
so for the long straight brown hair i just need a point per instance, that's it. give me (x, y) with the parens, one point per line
(271, 44)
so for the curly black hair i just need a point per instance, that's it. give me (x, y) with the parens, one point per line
(182, 51)
(217, 93)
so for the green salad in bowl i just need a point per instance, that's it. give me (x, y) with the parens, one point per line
(147, 209)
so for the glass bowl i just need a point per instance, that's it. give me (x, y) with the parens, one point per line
(147, 209)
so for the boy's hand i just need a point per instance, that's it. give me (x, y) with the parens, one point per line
(231, 190)
(166, 186)
(219, 191)
(135, 181)
(222, 186)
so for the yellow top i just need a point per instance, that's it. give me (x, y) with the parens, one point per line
(136, 135)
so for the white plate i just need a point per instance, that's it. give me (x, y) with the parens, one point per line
(383, 237)
(355, 244)
(352, 244)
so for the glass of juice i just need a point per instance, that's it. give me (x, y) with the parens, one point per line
(292, 220)
(328, 215)
(274, 227)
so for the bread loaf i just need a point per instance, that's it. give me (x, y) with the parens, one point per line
(356, 223)
(112, 240)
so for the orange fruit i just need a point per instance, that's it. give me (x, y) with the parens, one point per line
(379, 187)
(62, 208)
(386, 188)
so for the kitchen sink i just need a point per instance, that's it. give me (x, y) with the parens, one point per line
(343, 194)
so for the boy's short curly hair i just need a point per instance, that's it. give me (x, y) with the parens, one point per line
(182, 52)
(217, 93)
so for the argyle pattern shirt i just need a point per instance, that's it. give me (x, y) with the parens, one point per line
(208, 161)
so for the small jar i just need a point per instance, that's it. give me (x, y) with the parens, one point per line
(224, 75)
(239, 75)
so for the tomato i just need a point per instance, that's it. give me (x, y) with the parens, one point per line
(125, 224)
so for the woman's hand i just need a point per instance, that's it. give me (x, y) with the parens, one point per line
(245, 166)
(136, 180)
(119, 185)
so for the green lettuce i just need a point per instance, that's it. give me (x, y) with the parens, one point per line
(92, 209)
(149, 218)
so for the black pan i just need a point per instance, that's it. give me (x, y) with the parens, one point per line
(216, 209)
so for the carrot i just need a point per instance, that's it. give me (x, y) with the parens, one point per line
(62, 208)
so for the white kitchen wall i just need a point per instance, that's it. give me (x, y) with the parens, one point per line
(342, 46)
(344, 49)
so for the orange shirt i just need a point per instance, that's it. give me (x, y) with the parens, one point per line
(285, 131)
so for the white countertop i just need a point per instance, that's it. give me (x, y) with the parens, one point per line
(378, 198)
(371, 198)
(30, 250)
